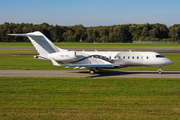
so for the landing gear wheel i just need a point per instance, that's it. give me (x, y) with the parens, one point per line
(92, 72)
(160, 71)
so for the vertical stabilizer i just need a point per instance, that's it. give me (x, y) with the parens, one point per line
(41, 43)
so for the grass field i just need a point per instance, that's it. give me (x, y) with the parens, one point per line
(30, 63)
(18, 52)
(93, 45)
(87, 98)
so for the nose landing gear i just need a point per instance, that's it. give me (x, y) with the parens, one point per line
(159, 70)
(92, 71)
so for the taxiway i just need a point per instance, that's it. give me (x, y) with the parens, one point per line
(85, 73)
(159, 50)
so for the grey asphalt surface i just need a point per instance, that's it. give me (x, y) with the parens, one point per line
(159, 50)
(85, 73)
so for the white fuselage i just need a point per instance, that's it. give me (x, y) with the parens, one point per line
(124, 59)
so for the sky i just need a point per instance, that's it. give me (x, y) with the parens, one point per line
(90, 12)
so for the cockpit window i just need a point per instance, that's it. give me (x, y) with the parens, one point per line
(159, 56)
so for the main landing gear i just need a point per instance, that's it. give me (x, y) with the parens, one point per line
(92, 71)
(159, 70)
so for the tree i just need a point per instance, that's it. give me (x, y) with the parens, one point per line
(144, 32)
(76, 33)
(104, 34)
(163, 31)
(90, 34)
(67, 36)
(117, 33)
(111, 35)
(153, 33)
(174, 32)
(79, 32)
(122, 34)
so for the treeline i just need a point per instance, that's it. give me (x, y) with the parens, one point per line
(78, 33)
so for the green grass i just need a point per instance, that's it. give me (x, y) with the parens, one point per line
(30, 63)
(26, 63)
(93, 45)
(18, 52)
(15, 45)
(87, 98)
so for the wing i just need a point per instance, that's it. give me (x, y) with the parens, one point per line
(94, 62)
(91, 65)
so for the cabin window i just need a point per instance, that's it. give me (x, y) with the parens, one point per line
(132, 57)
(159, 56)
(128, 57)
(137, 57)
(114, 57)
(109, 57)
(124, 57)
(147, 57)
(119, 57)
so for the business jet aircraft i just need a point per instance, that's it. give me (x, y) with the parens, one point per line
(92, 60)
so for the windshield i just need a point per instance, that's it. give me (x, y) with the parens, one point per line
(159, 56)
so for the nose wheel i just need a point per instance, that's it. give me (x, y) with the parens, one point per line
(92, 71)
(159, 71)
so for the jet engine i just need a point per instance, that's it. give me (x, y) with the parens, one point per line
(63, 56)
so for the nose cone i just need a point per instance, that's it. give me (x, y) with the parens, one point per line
(169, 62)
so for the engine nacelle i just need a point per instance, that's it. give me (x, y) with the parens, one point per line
(63, 56)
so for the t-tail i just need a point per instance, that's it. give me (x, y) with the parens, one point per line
(42, 44)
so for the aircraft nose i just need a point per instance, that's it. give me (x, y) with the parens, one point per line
(169, 62)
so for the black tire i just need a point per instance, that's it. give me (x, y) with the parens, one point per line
(92, 72)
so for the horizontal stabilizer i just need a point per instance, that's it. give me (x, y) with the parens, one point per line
(33, 34)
